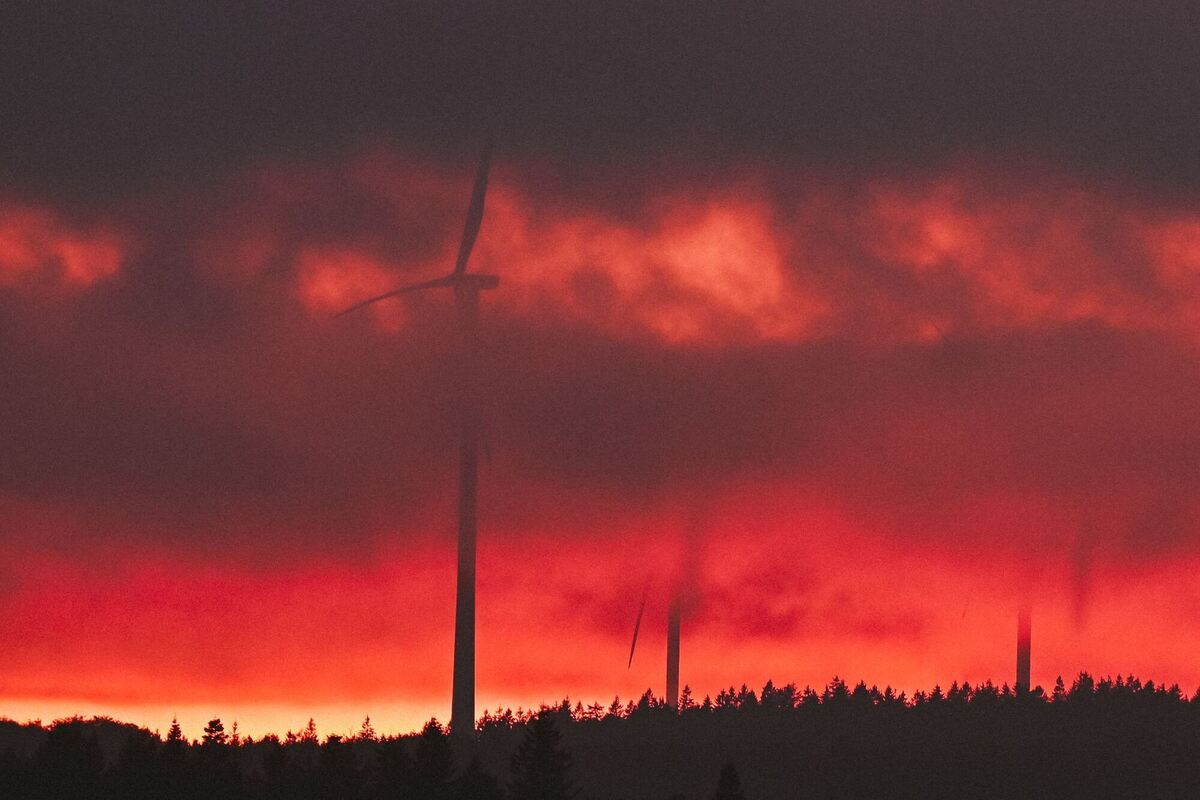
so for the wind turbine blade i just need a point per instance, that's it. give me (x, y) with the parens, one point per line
(449, 280)
(637, 626)
(475, 212)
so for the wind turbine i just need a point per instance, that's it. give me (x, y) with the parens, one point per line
(673, 623)
(467, 287)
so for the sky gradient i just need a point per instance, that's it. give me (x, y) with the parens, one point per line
(859, 325)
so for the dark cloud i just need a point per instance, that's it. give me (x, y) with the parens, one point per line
(305, 435)
(97, 99)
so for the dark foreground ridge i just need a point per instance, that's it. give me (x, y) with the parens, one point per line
(1099, 738)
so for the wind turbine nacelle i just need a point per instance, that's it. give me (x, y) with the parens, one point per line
(474, 280)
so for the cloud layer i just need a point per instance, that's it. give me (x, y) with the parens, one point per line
(99, 101)
(857, 320)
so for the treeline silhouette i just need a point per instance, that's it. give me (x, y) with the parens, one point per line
(1098, 738)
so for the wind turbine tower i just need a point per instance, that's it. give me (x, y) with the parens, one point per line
(673, 616)
(1024, 629)
(467, 287)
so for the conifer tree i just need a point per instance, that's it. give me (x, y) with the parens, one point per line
(214, 734)
(434, 764)
(540, 766)
(175, 733)
(69, 761)
(174, 762)
(729, 785)
(395, 768)
(476, 783)
(137, 772)
(217, 774)
(366, 731)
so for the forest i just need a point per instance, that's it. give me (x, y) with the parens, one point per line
(1095, 738)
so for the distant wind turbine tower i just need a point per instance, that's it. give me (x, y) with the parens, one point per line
(467, 287)
(674, 615)
(1024, 630)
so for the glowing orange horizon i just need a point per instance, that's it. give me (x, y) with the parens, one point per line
(338, 642)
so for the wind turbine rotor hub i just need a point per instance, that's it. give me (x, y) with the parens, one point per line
(476, 281)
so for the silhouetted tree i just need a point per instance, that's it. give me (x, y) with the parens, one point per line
(366, 731)
(729, 785)
(214, 734)
(779, 699)
(175, 735)
(138, 773)
(17, 774)
(540, 766)
(217, 771)
(274, 769)
(395, 769)
(433, 768)
(175, 764)
(1099, 738)
(70, 764)
(477, 784)
(337, 773)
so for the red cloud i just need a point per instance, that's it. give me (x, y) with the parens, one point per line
(35, 241)
(753, 259)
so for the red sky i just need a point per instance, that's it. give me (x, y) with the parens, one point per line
(858, 413)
